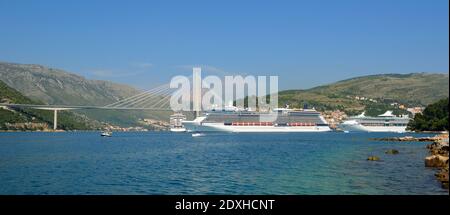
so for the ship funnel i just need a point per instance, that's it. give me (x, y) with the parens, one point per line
(363, 114)
(387, 114)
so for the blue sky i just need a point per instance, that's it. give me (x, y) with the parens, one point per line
(305, 43)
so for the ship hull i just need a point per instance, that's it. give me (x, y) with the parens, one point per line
(361, 128)
(220, 127)
(178, 129)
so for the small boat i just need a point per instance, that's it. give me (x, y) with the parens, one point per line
(106, 134)
(196, 134)
(178, 129)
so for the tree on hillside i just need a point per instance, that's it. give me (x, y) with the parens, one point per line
(433, 118)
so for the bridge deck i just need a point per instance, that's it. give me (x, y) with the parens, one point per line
(71, 107)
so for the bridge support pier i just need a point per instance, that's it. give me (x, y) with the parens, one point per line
(55, 113)
(55, 119)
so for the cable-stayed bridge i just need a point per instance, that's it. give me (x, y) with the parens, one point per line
(157, 99)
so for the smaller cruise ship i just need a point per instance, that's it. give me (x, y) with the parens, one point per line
(386, 122)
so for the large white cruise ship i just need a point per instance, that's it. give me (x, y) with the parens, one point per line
(234, 120)
(386, 122)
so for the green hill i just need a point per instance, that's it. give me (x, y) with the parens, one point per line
(31, 119)
(416, 89)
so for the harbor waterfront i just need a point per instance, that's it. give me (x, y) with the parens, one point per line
(216, 163)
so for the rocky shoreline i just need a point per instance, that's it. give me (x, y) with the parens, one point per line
(439, 158)
(439, 153)
(410, 139)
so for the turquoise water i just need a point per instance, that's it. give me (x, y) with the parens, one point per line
(218, 163)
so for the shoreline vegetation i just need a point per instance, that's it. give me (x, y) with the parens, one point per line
(433, 118)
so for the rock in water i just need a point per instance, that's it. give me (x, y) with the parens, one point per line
(442, 176)
(439, 158)
(373, 158)
(436, 161)
(392, 151)
(438, 148)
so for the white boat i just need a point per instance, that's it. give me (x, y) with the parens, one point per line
(176, 124)
(386, 122)
(278, 120)
(179, 129)
(196, 134)
(106, 134)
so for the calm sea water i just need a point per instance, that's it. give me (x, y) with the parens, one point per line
(218, 163)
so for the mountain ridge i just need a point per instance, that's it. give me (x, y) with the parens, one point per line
(56, 86)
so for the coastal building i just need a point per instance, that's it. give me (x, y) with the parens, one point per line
(334, 117)
(156, 124)
(415, 110)
(118, 128)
